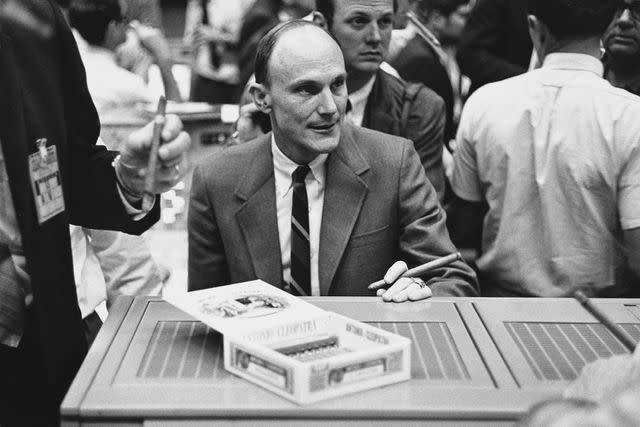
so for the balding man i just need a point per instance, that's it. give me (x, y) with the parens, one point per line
(316, 207)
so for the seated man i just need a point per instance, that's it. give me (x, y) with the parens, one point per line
(378, 100)
(316, 207)
(547, 166)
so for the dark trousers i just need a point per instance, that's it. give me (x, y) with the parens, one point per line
(25, 398)
(213, 92)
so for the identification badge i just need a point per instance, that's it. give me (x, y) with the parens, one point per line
(46, 181)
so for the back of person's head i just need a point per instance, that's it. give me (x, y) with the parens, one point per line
(444, 7)
(328, 9)
(268, 43)
(91, 18)
(574, 19)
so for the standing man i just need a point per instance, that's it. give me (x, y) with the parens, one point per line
(622, 46)
(51, 174)
(316, 207)
(547, 166)
(378, 100)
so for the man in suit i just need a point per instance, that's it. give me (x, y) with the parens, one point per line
(495, 44)
(316, 207)
(378, 100)
(50, 124)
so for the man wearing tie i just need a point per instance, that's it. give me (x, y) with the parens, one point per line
(51, 174)
(316, 207)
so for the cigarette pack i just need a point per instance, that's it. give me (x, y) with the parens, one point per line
(293, 348)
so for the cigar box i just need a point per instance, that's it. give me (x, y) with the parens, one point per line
(293, 348)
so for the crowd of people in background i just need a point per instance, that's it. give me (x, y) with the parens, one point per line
(505, 128)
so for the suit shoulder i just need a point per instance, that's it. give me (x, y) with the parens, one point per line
(378, 145)
(230, 162)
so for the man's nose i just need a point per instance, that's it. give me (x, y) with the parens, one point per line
(625, 19)
(327, 105)
(374, 36)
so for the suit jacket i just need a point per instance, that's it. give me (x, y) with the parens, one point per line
(425, 125)
(43, 94)
(378, 208)
(495, 44)
(417, 62)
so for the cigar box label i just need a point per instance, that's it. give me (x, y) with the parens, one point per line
(246, 306)
(263, 370)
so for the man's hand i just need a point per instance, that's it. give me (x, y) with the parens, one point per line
(208, 34)
(134, 157)
(604, 377)
(403, 288)
(153, 41)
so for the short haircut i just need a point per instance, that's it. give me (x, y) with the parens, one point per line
(268, 43)
(445, 7)
(568, 19)
(92, 17)
(328, 8)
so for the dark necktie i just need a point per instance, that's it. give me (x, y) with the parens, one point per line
(300, 251)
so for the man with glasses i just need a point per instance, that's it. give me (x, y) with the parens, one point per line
(547, 166)
(622, 46)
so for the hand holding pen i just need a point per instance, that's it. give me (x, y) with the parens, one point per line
(152, 159)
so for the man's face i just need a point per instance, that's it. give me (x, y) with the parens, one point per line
(622, 39)
(363, 31)
(307, 93)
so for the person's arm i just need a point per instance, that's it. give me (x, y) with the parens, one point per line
(425, 127)
(207, 260)
(478, 55)
(423, 234)
(632, 243)
(464, 221)
(154, 42)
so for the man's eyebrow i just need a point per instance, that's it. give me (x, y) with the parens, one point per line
(303, 82)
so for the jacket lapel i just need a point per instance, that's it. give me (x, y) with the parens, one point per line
(377, 113)
(257, 216)
(345, 192)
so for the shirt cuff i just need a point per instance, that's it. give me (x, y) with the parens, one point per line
(135, 213)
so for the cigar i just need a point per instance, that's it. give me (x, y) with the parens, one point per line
(613, 327)
(421, 269)
(149, 196)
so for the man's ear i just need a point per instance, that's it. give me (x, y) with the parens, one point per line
(261, 97)
(320, 20)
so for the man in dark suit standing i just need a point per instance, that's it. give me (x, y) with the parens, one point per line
(51, 174)
(317, 207)
(378, 100)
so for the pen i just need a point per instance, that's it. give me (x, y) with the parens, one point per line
(148, 198)
(616, 330)
(421, 269)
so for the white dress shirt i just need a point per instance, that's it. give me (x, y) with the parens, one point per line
(283, 167)
(358, 100)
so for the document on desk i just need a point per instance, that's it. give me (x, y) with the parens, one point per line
(293, 348)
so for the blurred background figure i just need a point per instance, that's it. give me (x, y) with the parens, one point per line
(428, 57)
(495, 43)
(100, 29)
(212, 30)
(622, 47)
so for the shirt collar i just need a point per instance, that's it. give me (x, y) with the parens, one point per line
(284, 166)
(360, 96)
(573, 61)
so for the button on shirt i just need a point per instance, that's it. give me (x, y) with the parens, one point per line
(556, 154)
(283, 167)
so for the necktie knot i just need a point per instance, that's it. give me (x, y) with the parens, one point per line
(300, 174)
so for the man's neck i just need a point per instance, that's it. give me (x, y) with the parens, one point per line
(357, 80)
